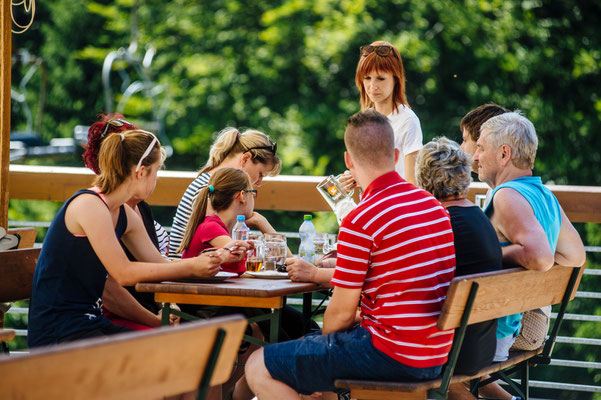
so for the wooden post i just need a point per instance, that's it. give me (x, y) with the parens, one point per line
(5, 53)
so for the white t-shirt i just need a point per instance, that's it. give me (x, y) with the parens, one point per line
(407, 134)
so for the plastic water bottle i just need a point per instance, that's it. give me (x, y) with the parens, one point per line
(240, 231)
(306, 251)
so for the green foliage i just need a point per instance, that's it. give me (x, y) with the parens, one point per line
(287, 68)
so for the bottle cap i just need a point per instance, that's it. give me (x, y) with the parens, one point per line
(240, 218)
(308, 217)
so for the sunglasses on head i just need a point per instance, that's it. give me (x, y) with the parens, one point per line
(381, 50)
(116, 123)
(273, 147)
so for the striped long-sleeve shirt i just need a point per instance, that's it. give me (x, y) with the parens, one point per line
(184, 212)
(397, 247)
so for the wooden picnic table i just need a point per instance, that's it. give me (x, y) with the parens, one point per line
(248, 292)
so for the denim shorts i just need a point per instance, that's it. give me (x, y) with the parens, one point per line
(313, 363)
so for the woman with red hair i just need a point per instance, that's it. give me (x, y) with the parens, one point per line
(380, 79)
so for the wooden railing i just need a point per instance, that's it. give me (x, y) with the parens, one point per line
(284, 192)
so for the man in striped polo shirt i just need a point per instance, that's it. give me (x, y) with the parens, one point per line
(396, 259)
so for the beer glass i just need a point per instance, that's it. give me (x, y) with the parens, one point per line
(255, 258)
(337, 198)
(275, 252)
(322, 245)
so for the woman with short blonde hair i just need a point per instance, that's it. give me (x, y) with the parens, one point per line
(444, 170)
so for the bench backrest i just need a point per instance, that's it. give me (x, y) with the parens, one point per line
(16, 273)
(16, 270)
(140, 365)
(27, 236)
(505, 292)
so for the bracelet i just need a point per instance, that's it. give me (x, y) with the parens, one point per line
(208, 250)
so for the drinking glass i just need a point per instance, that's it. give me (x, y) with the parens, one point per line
(322, 245)
(338, 199)
(255, 258)
(275, 252)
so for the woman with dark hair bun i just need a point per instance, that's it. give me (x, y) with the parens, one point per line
(82, 246)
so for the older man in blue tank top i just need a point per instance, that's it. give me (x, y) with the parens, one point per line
(530, 224)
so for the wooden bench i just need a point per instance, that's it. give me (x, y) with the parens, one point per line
(16, 269)
(139, 365)
(481, 297)
(27, 236)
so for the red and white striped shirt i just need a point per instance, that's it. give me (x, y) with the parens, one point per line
(397, 246)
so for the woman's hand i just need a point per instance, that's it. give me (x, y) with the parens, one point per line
(260, 222)
(235, 251)
(206, 265)
(300, 270)
(328, 260)
(347, 181)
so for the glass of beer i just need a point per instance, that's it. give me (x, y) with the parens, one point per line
(275, 252)
(255, 258)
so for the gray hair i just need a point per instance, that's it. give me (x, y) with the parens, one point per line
(516, 131)
(443, 169)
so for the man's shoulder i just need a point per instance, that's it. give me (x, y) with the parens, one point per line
(399, 203)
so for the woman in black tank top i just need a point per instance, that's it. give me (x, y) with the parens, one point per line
(82, 245)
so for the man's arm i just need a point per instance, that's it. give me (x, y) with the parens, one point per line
(302, 271)
(570, 250)
(513, 218)
(341, 311)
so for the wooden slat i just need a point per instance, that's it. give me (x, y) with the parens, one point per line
(230, 301)
(27, 235)
(408, 388)
(141, 365)
(16, 272)
(6, 335)
(385, 395)
(284, 192)
(503, 293)
(5, 65)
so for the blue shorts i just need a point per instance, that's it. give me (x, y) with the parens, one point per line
(313, 363)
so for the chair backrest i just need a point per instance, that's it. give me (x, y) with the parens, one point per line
(140, 365)
(16, 273)
(505, 292)
(27, 235)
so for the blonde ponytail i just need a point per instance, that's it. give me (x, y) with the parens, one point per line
(231, 141)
